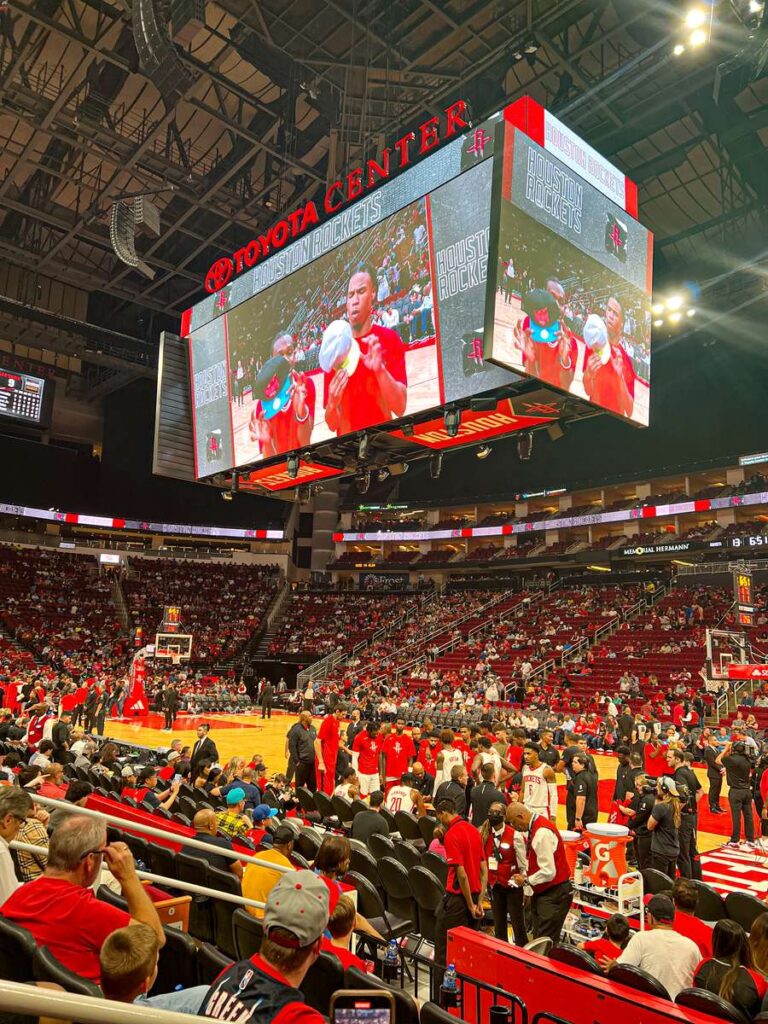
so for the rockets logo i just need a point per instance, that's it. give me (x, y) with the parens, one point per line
(479, 141)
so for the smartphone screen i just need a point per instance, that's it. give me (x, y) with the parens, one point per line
(362, 1013)
(362, 1007)
(177, 778)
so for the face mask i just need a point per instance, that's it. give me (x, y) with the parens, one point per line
(496, 819)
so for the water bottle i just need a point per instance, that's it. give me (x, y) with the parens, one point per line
(391, 961)
(448, 988)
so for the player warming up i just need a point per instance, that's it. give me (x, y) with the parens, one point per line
(367, 386)
(284, 415)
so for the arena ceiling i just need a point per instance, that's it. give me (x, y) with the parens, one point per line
(263, 99)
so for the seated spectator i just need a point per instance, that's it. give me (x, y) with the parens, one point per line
(15, 806)
(341, 924)
(259, 881)
(612, 943)
(42, 758)
(367, 823)
(206, 827)
(294, 921)
(668, 957)
(730, 973)
(128, 961)
(685, 897)
(34, 833)
(53, 785)
(233, 822)
(77, 795)
(758, 943)
(331, 864)
(437, 845)
(61, 909)
(243, 780)
(148, 781)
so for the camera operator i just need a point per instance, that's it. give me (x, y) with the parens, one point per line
(738, 771)
(688, 862)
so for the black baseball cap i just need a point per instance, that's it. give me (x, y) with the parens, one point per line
(661, 907)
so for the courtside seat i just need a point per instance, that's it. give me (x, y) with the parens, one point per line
(17, 951)
(397, 889)
(428, 891)
(248, 932)
(635, 977)
(370, 905)
(324, 977)
(48, 968)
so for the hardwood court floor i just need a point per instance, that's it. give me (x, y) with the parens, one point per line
(245, 735)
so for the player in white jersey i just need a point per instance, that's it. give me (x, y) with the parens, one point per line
(447, 759)
(402, 797)
(539, 786)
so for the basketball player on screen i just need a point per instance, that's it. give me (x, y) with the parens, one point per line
(555, 364)
(291, 428)
(612, 385)
(377, 390)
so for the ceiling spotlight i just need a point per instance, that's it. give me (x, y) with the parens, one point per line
(293, 465)
(382, 474)
(658, 323)
(755, 6)
(364, 445)
(678, 49)
(658, 308)
(436, 465)
(691, 312)
(696, 17)
(674, 302)
(525, 446)
(698, 38)
(483, 451)
(363, 481)
(531, 46)
(452, 420)
(675, 317)
(227, 495)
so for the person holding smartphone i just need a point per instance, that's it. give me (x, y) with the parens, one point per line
(265, 988)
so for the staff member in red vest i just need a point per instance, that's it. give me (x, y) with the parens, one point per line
(547, 876)
(465, 887)
(505, 852)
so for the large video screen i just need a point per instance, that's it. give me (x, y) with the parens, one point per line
(385, 322)
(569, 297)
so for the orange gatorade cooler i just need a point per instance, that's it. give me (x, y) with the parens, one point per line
(574, 844)
(607, 854)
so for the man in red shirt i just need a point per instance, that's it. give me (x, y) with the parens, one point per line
(291, 427)
(397, 755)
(428, 751)
(60, 908)
(685, 897)
(655, 756)
(465, 887)
(368, 746)
(612, 385)
(377, 390)
(266, 987)
(327, 751)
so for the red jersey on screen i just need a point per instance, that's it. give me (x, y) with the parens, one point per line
(369, 750)
(549, 363)
(329, 737)
(283, 426)
(362, 404)
(397, 750)
(605, 391)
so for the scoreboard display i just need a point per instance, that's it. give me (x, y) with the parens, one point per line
(24, 398)
(745, 603)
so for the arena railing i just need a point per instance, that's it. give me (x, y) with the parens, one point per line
(134, 826)
(56, 1004)
(422, 642)
(413, 964)
(163, 880)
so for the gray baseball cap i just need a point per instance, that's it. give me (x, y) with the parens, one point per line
(299, 905)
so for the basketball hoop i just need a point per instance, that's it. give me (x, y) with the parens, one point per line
(175, 658)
